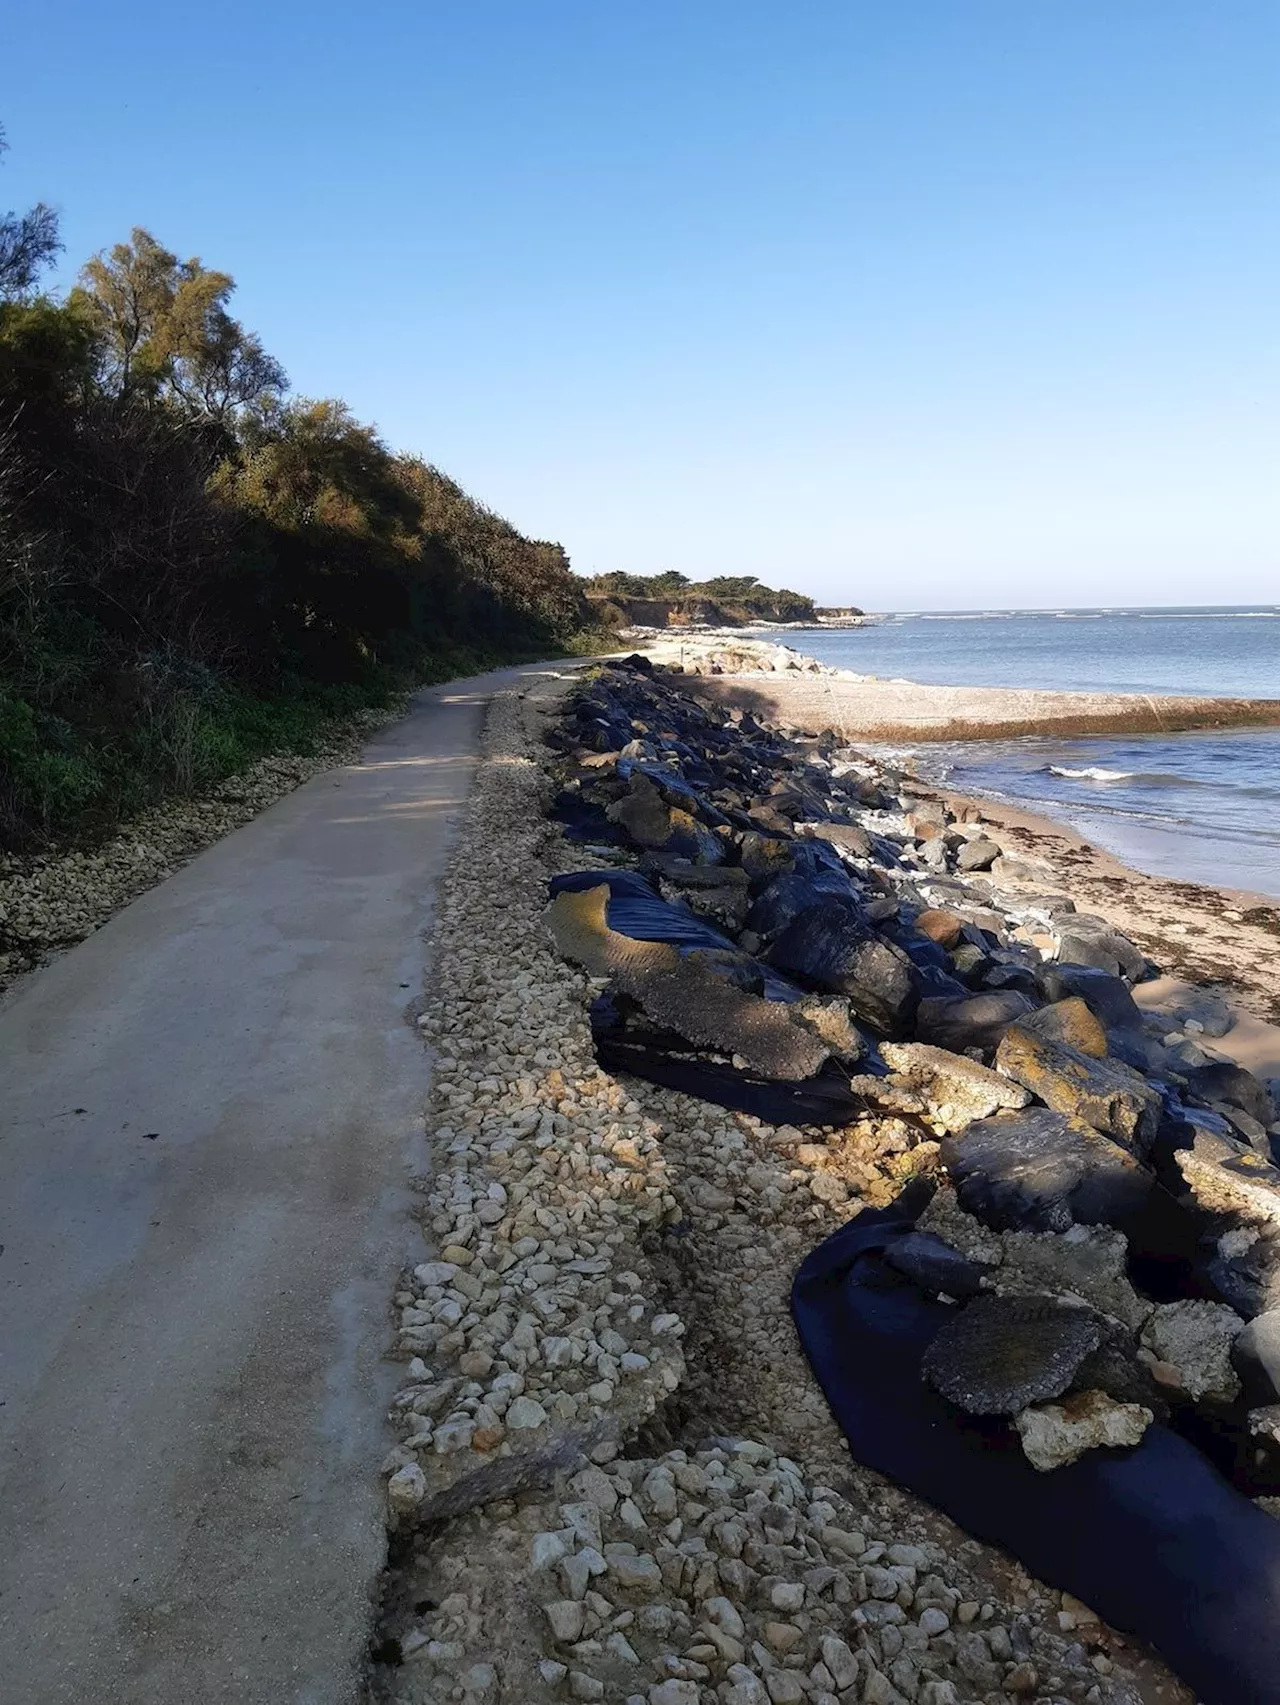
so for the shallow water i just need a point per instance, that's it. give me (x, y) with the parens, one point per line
(1203, 806)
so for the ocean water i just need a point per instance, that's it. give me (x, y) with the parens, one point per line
(1203, 806)
(1224, 652)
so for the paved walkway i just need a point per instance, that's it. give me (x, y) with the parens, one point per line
(208, 1112)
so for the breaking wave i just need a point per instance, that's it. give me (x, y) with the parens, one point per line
(1091, 772)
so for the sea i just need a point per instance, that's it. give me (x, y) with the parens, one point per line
(1202, 806)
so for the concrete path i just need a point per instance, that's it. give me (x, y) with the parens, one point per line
(208, 1113)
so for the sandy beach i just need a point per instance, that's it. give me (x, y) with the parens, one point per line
(859, 707)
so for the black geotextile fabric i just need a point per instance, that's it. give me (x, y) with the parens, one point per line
(634, 909)
(1152, 1538)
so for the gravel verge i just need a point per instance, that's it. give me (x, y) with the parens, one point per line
(616, 1478)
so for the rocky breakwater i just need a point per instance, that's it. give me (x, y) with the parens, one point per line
(616, 1479)
(1115, 1175)
(727, 653)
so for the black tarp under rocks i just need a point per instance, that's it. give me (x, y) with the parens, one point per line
(1151, 1538)
(661, 1057)
(634, 909)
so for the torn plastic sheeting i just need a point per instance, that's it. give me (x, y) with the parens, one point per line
(636, 910)
(584, 820)
(671, 782)
(824, 1099)
(1152, 1538)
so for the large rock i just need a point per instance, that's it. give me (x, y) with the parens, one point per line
(972, 1021)
(1223, 1083)
(785, 897)
(683, 992)
(978, 854)
(1255, 1355)
(847, 836)
(651, 823)
(831, 947)
(933, 1265)
(763, 856)
(1042, 1171)
(941, 926)
(1087, 940)
(1237, 1193)
(1196, 1338)
(998, 1354)
(956, 1090)
(1106, 1094)
(1072, 1022)
(1105, 994)
(1088, 1262)
(1054, 1434)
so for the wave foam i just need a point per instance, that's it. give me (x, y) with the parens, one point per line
(1091, 772)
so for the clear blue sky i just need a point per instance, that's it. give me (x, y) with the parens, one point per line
(941, 303)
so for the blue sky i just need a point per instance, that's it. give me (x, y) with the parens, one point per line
(938, 304)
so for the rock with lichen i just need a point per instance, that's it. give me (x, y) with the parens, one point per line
(1055, 1434)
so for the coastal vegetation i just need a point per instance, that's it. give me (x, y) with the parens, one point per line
(198, 567)
(726, 600)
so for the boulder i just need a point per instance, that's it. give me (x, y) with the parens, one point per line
(1106, 995)
(1238, 1193)
(941, 926)
(830, 947)
(1054, 1434)
(763, 856)
(1043, 1171)
(1106, 1094)
(1087, 1262)
(999, 1354)
(1244, 1269)
(1087, 940)
(955, 1089)
(650, 822)
(784, 897)
(1072, 1022)
(831, 1022)
(978, 854)
(1255, 1355)
(682, 992)
(1196, 1338)
(975, 1021)
(1208, 1013)
(847, 836)
(1223, 1083)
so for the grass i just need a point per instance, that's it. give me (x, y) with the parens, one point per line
(66, 782)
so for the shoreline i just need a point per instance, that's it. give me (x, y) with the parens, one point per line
(1197, 933)
(1201, 932)
(869, 709)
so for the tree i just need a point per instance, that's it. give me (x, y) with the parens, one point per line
(668, 584)
(166, 333)
(28, 242)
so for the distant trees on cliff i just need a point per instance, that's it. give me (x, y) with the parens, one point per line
(742, 595)
(192, 561)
